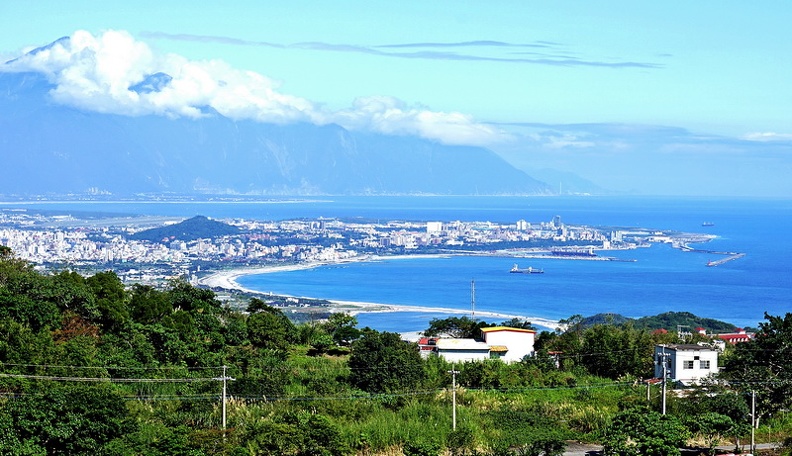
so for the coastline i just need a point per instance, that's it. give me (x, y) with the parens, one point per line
(228, 280)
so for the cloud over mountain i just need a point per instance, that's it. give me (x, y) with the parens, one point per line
(112, 73)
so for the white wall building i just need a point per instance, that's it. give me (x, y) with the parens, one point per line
(686, 363)
(462, 350)
(434, 227)
(518, 342)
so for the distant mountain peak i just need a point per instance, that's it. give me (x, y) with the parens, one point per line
(152, 83)
(62, 40)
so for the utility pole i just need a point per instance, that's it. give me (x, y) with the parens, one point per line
(753, 421)
(664, 363)
(473, 299)
(453, 373)
(225, 378)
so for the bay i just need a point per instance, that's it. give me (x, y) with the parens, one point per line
(663, 279)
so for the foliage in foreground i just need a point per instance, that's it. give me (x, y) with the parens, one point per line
(154, 357)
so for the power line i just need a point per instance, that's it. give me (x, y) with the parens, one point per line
(105, 379)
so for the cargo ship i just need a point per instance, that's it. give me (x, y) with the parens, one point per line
(516, 270)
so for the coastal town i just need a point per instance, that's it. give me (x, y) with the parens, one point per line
(67, 241)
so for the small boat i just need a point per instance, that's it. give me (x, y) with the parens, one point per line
(708, 224)
(516, 270)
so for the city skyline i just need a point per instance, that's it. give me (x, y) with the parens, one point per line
(653, 99)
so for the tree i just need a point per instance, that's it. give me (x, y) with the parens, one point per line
(270, 329)
(762, 365)
(148, 305)
(456, 327)
(713, 427)
(382, 362)
(518, 323)
(342, 328)
(184, 296)
(66, 419)
(711, 398)
(643, 432)
(110, 298)
(295, 433)
(70, 293)
(614, 351)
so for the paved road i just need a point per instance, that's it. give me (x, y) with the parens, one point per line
(582, 449)
(586, 449)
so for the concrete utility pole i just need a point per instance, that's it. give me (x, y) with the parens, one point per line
(664, 363)
(473, 299)
(225, 378)
(453, 373)
(753, 421)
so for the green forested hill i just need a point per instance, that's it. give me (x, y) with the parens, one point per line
(667, 320)
(197, 227)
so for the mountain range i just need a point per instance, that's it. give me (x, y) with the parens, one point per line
(52, 148)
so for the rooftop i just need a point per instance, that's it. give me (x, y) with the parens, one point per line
(461, 344)
(506, 328)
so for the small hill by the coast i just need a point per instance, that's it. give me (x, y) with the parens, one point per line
(667, 320)
(191, 229)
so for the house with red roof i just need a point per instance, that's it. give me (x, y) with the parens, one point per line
(739, 335)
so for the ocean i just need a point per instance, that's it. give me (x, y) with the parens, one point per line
(662, 279)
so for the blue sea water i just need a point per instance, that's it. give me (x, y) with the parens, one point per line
(662, 279)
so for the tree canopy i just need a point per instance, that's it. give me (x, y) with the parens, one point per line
(763, 364)
(381, 362)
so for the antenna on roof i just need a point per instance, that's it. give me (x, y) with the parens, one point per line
(472, 299)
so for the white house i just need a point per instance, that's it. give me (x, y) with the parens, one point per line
(461, 350)
(686, 363)
(518, 342)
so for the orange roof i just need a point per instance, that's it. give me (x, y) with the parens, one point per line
(499, 348)
(506, 328)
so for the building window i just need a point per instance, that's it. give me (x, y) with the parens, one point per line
(704, 364)
(687, 364)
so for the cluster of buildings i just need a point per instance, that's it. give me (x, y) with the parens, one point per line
(684, 364)
(43, 239)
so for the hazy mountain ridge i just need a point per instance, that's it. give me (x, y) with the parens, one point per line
(53, 148)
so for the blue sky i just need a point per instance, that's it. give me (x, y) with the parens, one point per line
(651, 97)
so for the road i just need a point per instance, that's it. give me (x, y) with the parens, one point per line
(587, 449)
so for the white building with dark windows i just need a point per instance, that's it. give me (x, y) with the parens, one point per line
(685, 363)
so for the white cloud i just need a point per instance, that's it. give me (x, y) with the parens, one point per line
(391, 116)
(96, 73)
(767, 136)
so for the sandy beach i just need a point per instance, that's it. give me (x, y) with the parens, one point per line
(228, 280)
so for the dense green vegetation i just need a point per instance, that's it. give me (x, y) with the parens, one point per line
(666, 320)
(88, 366)
(198, 227)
